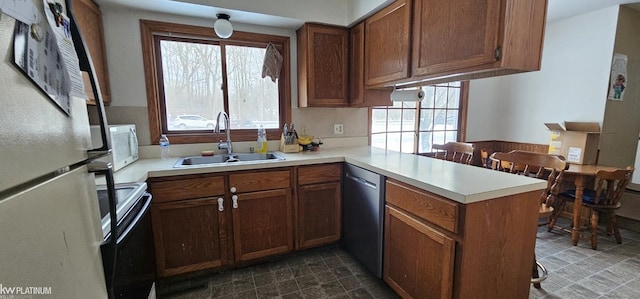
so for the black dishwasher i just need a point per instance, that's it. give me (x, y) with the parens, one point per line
(363, 216)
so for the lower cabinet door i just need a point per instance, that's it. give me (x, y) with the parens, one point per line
(418, 260)
(262, 224)
(319, 214)
(188, 236)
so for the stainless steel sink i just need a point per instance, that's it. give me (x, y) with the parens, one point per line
(221, 159)
(197, 160)
(256, 157)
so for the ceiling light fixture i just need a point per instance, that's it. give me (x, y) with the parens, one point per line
(222, 26)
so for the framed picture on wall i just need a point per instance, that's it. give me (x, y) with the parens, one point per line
(618, 79)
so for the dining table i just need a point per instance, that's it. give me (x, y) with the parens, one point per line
(581, 174)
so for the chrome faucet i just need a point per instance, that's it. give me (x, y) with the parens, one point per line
(224, 144)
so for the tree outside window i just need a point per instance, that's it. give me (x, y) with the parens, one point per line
(193, 79)
(195, 75)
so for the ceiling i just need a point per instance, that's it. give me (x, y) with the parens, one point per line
(560, 9)
(275, 12)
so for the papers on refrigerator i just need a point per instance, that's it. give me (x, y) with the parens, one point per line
(44, 51)
(61, 27)
(22, 10)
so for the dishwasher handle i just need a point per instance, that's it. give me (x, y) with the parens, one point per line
(362, 181)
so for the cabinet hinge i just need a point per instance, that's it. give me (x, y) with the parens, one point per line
(498, 53)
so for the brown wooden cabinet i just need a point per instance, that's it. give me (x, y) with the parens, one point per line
(262, 213)
(439, 248)
(476, 39)
(359, 95)
(387, 44)
(323, 74)
(89, 19)
(189, 229)
(419, 260)
(356, 65)
(199, 224)
(319, 205)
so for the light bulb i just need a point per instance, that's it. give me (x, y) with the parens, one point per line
(222, 26)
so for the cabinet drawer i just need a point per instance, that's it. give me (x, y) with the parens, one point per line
(430, 207)
(319, 173)
(260, 180)
(164, 191)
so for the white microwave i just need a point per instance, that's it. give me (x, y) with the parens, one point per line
(124, 144)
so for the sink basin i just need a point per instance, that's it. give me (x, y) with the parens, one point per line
(197, 160)
(220, 159)
(255, 157)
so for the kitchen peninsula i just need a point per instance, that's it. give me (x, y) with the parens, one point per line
(468, 232)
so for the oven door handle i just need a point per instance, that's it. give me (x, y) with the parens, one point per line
(106, 169)
(134, 223)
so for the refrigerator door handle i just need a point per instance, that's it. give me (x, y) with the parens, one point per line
(86, 64)
(106, 169)
(147, 198)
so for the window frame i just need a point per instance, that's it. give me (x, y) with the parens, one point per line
(462, 119)
(151, 61)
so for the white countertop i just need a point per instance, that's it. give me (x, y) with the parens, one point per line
(461, 183)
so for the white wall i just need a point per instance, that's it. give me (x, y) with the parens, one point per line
(325, 11)
(571, 85)
(337, 12)
(360, 9)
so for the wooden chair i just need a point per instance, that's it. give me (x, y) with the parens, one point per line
(605, 199)
(485, 156)
(542, 166)
(458, 152)
(496, 164)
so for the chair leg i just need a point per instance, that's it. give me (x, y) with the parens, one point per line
(559, 205)
(614, 224)
(594, 230)
(534, 273)
(552, 221)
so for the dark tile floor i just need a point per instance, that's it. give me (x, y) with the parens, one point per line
(326, 272)
(612, 271)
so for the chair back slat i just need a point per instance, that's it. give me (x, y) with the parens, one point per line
(612, 184)
(538, 165)
(605, 200)
(459, 152)
(484, 155)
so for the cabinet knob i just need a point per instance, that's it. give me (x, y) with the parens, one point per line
(233, 189)
(234, 199)
(220, 204)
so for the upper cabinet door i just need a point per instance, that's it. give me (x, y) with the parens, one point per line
(356, 65)
(89, 18)
(323, 70)
(452, 35)
(387, 44)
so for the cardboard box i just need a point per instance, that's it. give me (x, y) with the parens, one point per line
(577, 141)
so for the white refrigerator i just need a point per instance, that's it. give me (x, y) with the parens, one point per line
(50, 231)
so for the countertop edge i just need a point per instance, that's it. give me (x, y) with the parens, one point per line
(411, 169)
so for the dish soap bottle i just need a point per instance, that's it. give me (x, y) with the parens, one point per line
(262, 140)
(164, 147)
